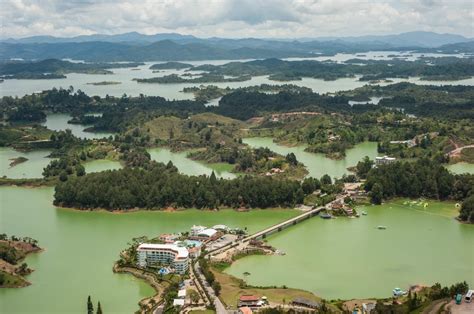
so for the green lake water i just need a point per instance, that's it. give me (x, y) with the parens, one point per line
(32, 168)
(351, 258)
(189, 166)
(101, 165)
(81, 247)
(58, 122)
(318, 164)
(461, 167)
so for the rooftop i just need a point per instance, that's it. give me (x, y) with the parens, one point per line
(182, 252)
(248, 298)
(207, 232)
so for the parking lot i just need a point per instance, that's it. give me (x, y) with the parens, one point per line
(222, 241)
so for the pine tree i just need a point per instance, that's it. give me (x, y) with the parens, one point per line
(90, 306)
(99, 308)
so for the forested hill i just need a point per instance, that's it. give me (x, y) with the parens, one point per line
(161, 50)
(59, 67)
(175, 47)
(160, 186)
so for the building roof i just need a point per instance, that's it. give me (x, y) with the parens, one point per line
(248, 298)
(220, 227)
(245, 310)
(178, 302)
(306, 302)
(207, 233)
(182, 293)
(181, 252)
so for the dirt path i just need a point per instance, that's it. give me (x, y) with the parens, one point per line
(457, 151)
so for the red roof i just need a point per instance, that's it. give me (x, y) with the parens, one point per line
(248, 298)
(245, 310)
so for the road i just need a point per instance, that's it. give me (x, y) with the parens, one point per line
(220, 308)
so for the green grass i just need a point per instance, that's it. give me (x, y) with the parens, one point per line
(12, 281)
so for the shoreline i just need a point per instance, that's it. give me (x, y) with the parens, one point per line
(149, 279)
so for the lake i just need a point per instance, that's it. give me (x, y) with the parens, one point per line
(461, 167)
(318, 164)
(351, 258)
(189, 166)
(32, 168)
(58, 122)
(81, 247)
(173, 91)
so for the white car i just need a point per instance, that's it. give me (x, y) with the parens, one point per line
(397, 292)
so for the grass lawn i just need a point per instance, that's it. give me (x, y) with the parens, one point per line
(231, 291)
(9, 280)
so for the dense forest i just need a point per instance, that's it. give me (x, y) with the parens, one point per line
(159, 186)
(421, 178)
(53, 68)
(428, 68)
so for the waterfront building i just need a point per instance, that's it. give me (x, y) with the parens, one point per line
(223, 228)
(150, 254)
(305, 303)
(207, 233)
(249, 301)
(245, 310)
(195, 230)
(168, 238)
(384, 160)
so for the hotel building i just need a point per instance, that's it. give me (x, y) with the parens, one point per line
(150, 254)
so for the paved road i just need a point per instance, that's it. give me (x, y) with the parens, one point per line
(220, 308)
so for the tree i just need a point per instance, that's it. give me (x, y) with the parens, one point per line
(99, 308)
(291, 159)
(194, 296)
(217, 287)
(376, 195)
(80, 170)
(467, 209)
(326, 180)
(90, 306)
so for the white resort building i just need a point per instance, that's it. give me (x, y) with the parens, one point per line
(150, 254)
(384, 160)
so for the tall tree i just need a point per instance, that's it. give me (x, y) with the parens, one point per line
(90, 306)
(99, 308)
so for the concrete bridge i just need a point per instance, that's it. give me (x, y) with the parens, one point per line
(288, 223)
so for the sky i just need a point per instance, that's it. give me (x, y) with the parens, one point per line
(235, 18)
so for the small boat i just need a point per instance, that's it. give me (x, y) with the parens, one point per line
(364, 213)
(325, 216)
(381, 227)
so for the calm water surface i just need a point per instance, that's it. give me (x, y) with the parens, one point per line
(81, 247)
(189, 166)
(32, 168)
(173, 91)
(318, 164)
(101, 165)
(461, 167)
(58, 122)
(351, 258)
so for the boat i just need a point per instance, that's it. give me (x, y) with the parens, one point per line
(381, 227)
(325, 216)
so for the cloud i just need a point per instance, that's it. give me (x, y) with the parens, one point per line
(235, 18)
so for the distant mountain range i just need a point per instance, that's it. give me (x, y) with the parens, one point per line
(172, 46)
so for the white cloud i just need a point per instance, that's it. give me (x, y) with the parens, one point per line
(235, 18)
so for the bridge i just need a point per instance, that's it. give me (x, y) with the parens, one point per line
(288, 223)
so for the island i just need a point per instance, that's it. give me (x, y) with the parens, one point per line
(172, 65)
(12, 252)
(104, 83)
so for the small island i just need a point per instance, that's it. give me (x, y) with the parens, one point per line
(104, 83)
(172, 65)
(17, 161)
(12, 251)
